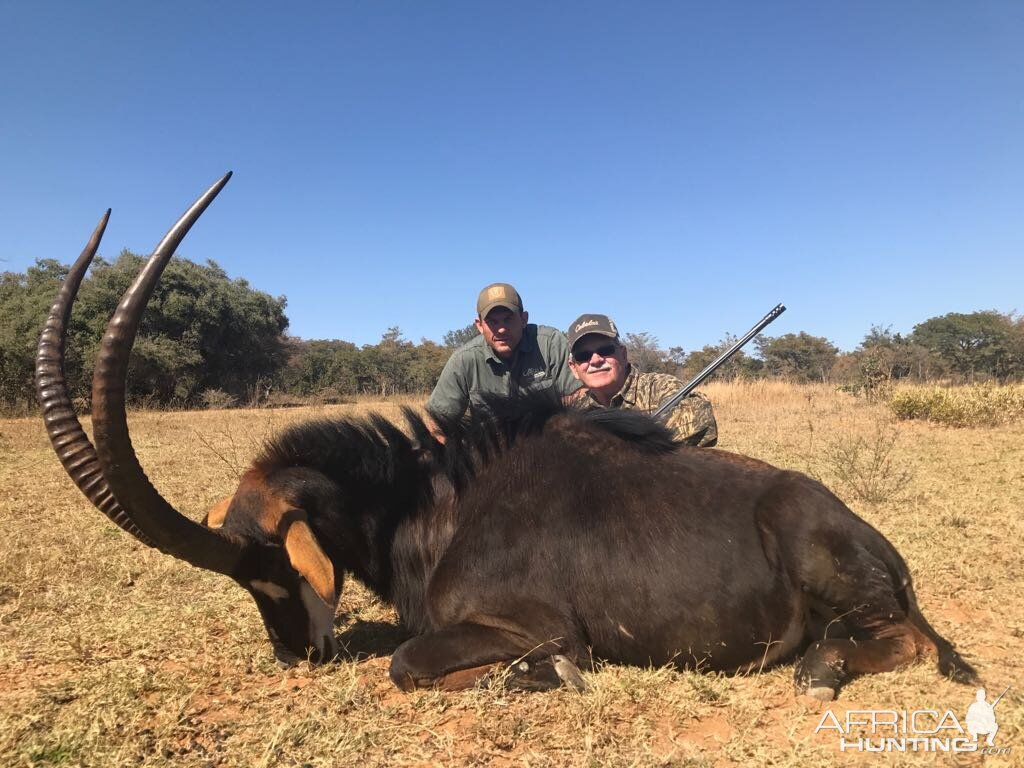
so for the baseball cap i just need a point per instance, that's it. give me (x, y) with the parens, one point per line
(498, 295)
(587, 324)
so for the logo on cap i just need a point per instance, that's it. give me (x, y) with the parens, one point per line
(498, 295)
(587, 324)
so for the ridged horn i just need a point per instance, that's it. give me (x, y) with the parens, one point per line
(169, 530)
(69, 440)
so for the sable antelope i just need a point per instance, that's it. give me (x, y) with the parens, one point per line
(535, 538)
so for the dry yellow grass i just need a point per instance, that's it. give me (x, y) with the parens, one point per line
(112, 654)
(975, 405)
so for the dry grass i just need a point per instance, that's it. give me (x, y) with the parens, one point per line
(976, 405)
(113, 654)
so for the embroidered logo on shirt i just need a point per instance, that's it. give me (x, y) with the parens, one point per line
(533, 374)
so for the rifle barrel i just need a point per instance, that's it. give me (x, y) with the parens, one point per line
(1000, 696)
(696, 381)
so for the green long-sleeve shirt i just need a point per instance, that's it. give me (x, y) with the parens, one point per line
(541, 361)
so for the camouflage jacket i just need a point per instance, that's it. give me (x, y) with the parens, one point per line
(692, 421)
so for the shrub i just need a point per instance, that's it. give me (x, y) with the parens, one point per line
(277, 399)
(865, 468)
(216, 399)
(330, 396)
(970, 406)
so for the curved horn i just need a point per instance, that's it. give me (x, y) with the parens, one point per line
(69, 440)
(168, 529)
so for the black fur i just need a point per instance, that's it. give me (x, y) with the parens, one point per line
(535, 529)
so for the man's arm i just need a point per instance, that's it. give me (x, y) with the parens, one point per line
(692, 421)
(558, 355)
(451, 393)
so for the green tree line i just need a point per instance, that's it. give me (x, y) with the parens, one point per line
(202, 330)
(955, 347)
(207, 339)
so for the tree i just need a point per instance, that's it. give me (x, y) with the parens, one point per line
(676, 356)
(644, 351)
(979, 343)
(24, 302)
(458, 336)
(797, 356)
(384, 367)
(200, 331)
(320, 366)
(883, 355)
(739, 366)
(1016, 344)
(426, 366)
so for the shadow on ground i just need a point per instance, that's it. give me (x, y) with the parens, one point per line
(366, 639)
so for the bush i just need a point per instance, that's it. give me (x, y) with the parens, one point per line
(865, 468)
(331, 396)
(971, 406)
(278, 399)
(217, 399)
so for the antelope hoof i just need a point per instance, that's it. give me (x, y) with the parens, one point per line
(821, 693)
(569, 673)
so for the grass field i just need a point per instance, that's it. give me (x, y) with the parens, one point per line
(112, 654)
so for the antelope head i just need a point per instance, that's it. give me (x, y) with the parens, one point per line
(255, 537)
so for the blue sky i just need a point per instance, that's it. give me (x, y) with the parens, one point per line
(681, 166)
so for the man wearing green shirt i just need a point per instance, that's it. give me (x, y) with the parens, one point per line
(510, 357)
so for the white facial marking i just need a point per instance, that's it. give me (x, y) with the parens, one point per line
(321, 621)
(270, 589)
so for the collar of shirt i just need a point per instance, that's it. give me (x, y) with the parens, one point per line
(526, 344)
(626, 396)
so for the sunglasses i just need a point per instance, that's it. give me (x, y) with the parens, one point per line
(584, 355)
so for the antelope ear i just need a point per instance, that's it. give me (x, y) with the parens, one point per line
(309, 560)
(215, 517)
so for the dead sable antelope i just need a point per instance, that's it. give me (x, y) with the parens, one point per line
(530, 541)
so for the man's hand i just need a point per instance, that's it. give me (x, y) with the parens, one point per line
(435, 430)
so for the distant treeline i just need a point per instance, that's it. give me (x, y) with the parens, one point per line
(209, 340)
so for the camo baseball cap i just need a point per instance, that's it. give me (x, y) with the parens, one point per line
(587, 324)
(498, 295)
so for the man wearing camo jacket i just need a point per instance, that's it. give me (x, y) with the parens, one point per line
(599, 360)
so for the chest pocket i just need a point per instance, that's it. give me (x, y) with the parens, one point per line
(535, 379)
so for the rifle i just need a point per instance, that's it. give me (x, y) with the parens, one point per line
(1000, 696)
(696, 381)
